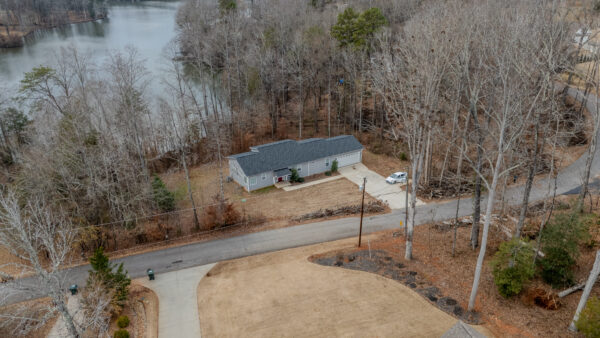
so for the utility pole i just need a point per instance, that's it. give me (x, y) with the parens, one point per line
(362, 209)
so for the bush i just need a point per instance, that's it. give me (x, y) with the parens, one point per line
(294, 177)
(403, 156)
(328, 173)
(164, 199)
(121, 333)
(560, 243)
(557, 267)
(123, 322)
(513, 267)
(221, 213)
(589, 319)
(334, 166)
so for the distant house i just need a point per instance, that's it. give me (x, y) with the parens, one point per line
(270, 163)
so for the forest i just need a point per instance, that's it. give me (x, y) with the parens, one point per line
(473, 94)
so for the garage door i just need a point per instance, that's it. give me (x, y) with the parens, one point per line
(348, 159)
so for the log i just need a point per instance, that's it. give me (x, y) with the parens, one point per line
(571, 290)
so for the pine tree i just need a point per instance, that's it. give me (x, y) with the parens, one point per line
(116, 281)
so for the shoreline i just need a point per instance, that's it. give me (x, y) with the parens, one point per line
(16, 39)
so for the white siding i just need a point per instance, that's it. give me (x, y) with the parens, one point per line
(261, 180)
(349, 158)
(235, 171)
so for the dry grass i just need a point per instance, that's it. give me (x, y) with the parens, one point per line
(276, 205)
(282, 294)
(33, 305)
(5, 258)
(454, 276)
(384, 165)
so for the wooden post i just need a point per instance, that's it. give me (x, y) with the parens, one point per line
(362, 209)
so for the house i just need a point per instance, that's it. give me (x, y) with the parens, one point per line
(270, 163)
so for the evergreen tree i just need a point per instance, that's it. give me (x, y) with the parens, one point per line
(162, 196)
(357, 29)
(116, 281)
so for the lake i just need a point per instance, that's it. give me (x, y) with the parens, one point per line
(148, 26)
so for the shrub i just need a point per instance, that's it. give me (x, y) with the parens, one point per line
(334, 166)
(560, 243)
(221, 213)
(123, 322)
(121, 333)
(403, 156)
(300, 180)
(512, 267)
(589, 319)
(328, 173)
(164, 199)
(294, 177)
(557, 267)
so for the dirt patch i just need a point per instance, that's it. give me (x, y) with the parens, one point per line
(282, 294)
(142, 310)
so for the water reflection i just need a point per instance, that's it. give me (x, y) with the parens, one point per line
(148, 26)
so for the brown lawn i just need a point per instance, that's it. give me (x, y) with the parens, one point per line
(282, 294)
(276, 205)
(515, 317)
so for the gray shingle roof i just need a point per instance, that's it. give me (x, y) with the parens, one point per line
(287, 153)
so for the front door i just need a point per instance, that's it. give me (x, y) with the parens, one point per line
(279, 179)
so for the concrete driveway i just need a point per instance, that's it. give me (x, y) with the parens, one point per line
(377, 187)
(177, 301)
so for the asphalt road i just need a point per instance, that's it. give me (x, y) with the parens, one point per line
(203, 253)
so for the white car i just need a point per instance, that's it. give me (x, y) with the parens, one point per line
(399, 177)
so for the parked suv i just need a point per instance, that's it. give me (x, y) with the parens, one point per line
(399, 177)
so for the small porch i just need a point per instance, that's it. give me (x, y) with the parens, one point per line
(281, 177)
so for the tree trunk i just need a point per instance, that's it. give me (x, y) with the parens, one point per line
(329, 106)
(301, 109)
(477, 194)
(587, 290)
(417, 166)
(486, 224)
(189, 188)
(590, 157)
(66, 316)
(316, 113)
(530, 177)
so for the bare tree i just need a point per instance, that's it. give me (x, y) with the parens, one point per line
(42, 240)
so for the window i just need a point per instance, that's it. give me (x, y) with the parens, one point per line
(299, 169)
(327, 162)
(264, 176)
(253, 181)
(245, 179)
